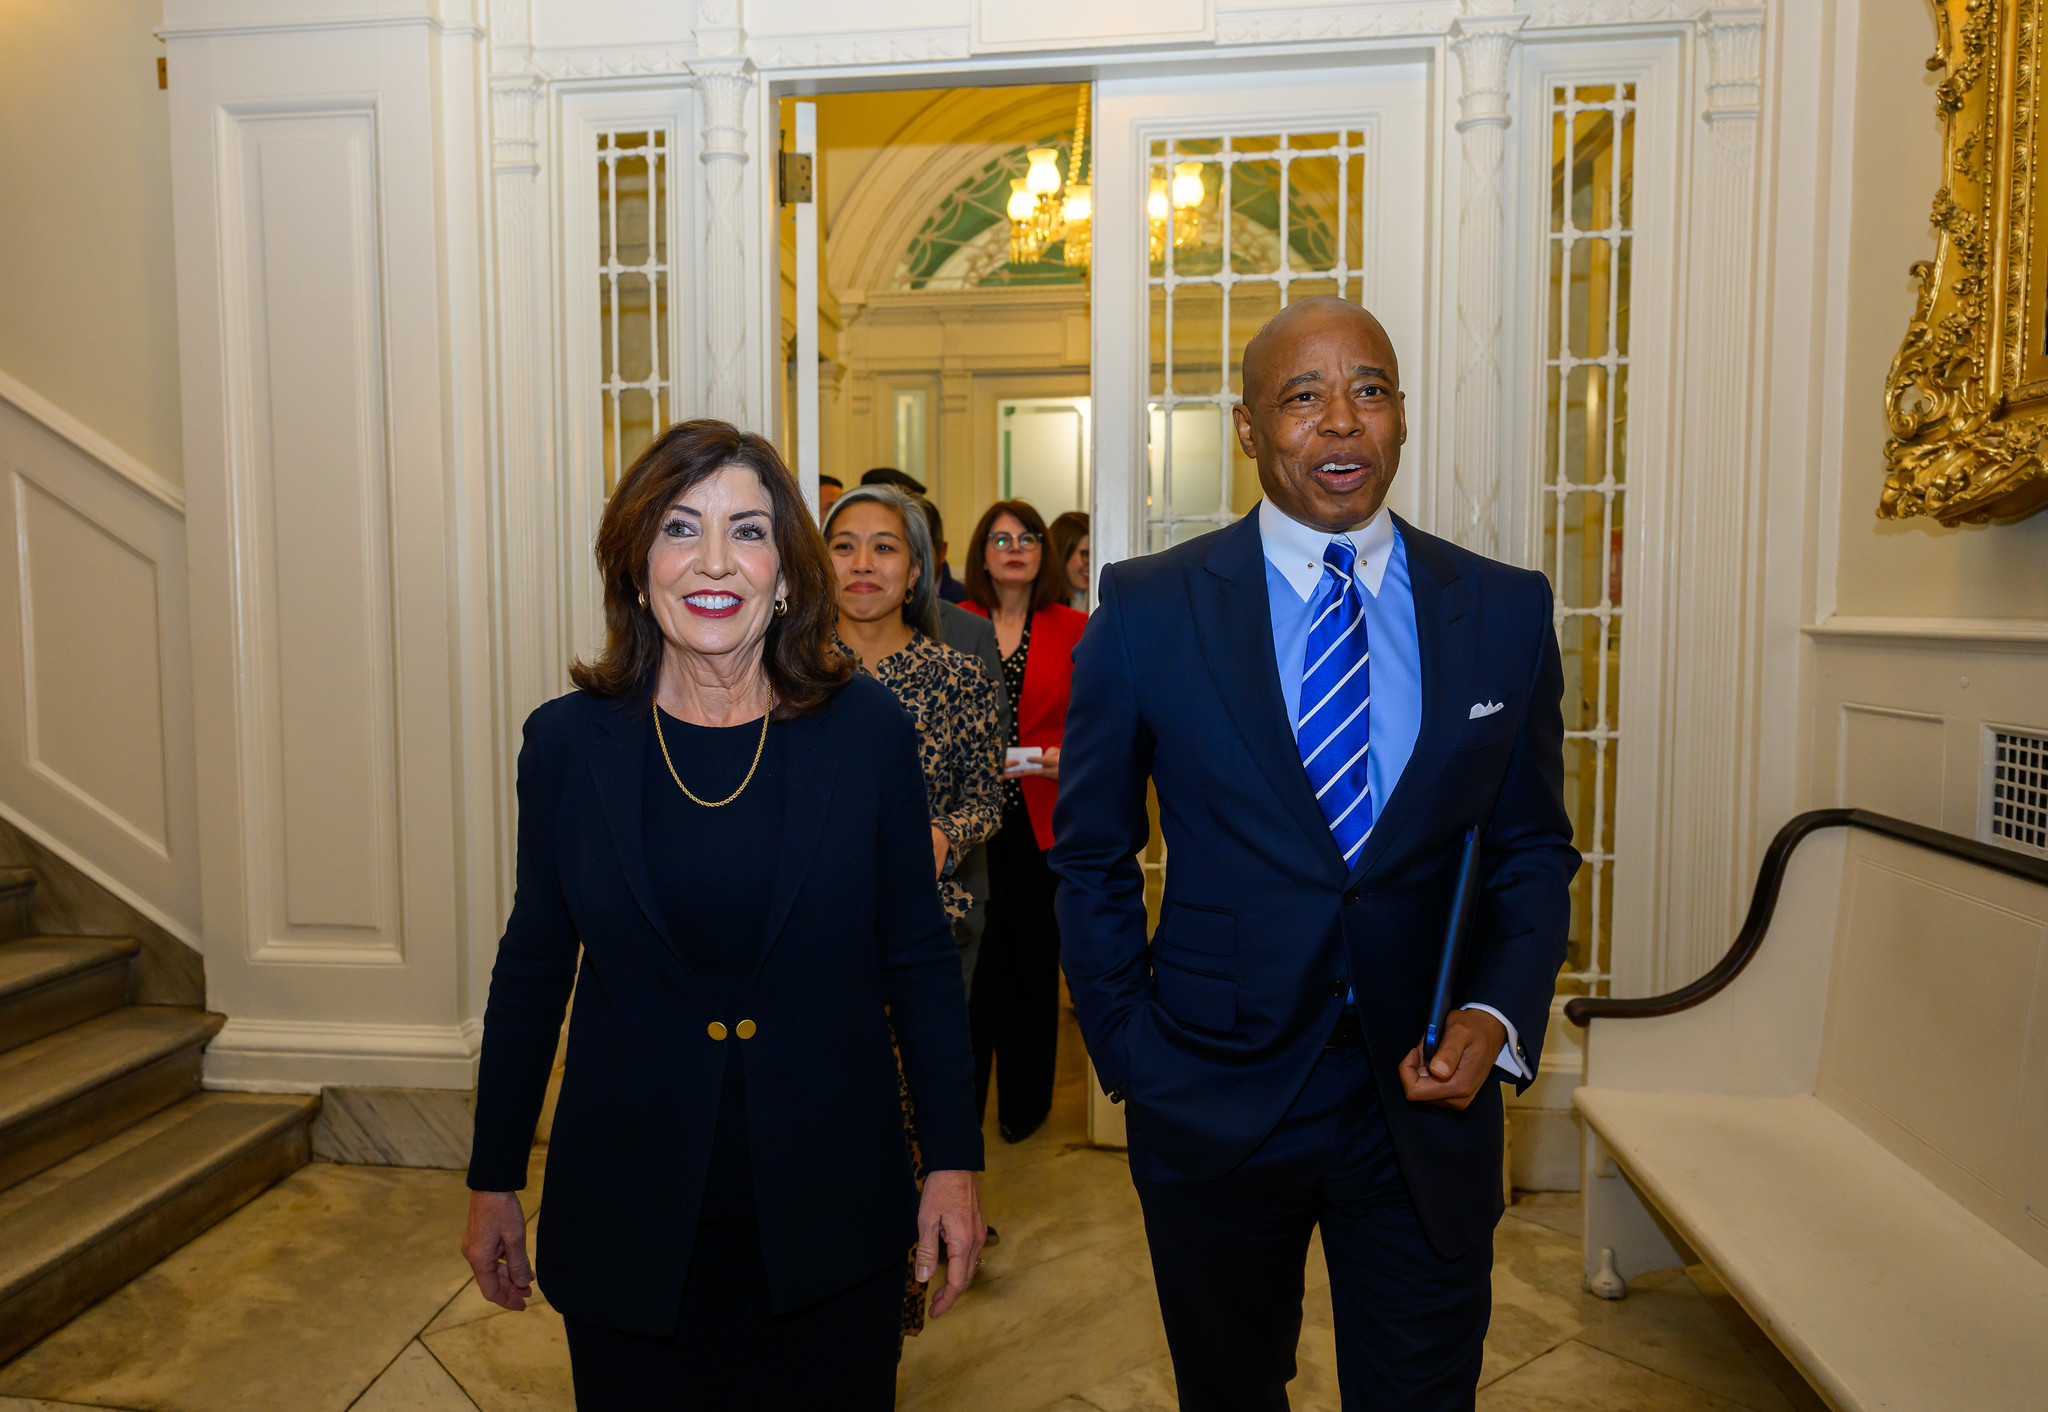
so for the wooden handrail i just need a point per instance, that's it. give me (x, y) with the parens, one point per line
(1764, 903)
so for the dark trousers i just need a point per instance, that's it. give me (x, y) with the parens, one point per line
(1228, 1259)
(729, 1351)
(1015, 1005)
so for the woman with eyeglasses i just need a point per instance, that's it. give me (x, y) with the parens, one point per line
(1014, 579)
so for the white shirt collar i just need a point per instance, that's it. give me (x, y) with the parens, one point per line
(1296, 550)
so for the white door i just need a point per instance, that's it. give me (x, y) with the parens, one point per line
(804, 144)
(1217, 201)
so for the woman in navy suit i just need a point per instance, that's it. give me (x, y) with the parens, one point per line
(731, 828)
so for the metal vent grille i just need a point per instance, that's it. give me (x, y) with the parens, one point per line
(2018, 798)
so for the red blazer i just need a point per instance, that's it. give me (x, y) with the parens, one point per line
(1042, 710)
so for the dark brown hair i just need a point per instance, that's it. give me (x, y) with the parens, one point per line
(804, 668)
(1067, 531)
(1052, 575)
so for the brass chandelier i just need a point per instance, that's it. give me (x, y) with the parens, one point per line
(1045, 210)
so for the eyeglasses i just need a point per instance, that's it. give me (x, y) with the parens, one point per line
(1026, 540)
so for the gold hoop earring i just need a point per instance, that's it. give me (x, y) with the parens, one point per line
(643, 600)
(781, 607)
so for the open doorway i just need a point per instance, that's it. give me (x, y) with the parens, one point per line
(953, 335)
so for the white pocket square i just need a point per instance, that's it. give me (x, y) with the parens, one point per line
(1485, 708)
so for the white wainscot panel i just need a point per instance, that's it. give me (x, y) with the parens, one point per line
(92, 673)
(1892, 762)
(95, 670)
(309, 474)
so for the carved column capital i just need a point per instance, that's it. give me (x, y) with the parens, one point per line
(515, 109)
(1483, 44)
(724, 85)
(1734, 38)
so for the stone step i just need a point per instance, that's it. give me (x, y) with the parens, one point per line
(17, 900)
(49, 983)
(84, 1228)
(63, 1093)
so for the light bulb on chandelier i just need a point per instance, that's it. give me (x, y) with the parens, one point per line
(1179, 203)
(1035, 207)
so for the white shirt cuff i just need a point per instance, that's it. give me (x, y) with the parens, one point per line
(1511, 1057)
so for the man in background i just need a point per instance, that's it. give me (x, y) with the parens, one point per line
(829, 490)
(950, 589)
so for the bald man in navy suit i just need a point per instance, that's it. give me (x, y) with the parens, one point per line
(1325, 699)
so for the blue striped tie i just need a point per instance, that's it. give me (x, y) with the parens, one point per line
(1336, 687)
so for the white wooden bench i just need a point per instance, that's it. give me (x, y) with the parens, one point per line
(1847, 1119)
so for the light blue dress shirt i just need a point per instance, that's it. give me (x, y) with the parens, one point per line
(1294, 570)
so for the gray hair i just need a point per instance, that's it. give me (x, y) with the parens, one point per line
(921, 604)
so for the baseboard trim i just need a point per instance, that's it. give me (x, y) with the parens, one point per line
(305, 1056)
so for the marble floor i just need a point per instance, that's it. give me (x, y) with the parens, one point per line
(342, 1289)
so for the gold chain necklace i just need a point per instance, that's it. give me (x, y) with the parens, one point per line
(759, 745)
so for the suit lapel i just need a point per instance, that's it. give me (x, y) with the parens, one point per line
(1447, 632)
(1233, 620)
(811, 770)
(618, 765)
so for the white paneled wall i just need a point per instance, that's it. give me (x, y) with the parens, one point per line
(327, 181)
(95, 671)
(1901, 709)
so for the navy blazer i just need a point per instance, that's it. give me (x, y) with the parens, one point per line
(1211, 1030)
(855, 925)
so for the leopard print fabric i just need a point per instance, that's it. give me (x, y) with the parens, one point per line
(959, 744)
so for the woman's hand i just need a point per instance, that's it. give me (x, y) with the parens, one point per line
(949, 1223)
(941, 846)
(1049, 763)
(495, 1247)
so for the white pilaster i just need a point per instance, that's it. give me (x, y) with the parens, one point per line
(1712, 723)
(325, 180)
(1484, 40)
(527, 604)
(725, 78)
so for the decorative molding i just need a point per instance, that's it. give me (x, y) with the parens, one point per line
(130, 469)
(559, 65)
(725, 87)
(720, 29)
(1484, 43)
(1343, 22)
(2024, 633)
(515, 106)
(1587, 14)
(213, 29)
(1734, 42)
(896, 46)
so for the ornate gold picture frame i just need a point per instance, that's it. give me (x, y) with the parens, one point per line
(1967, 398)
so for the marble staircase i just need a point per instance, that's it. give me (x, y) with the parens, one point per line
(110, 1155)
